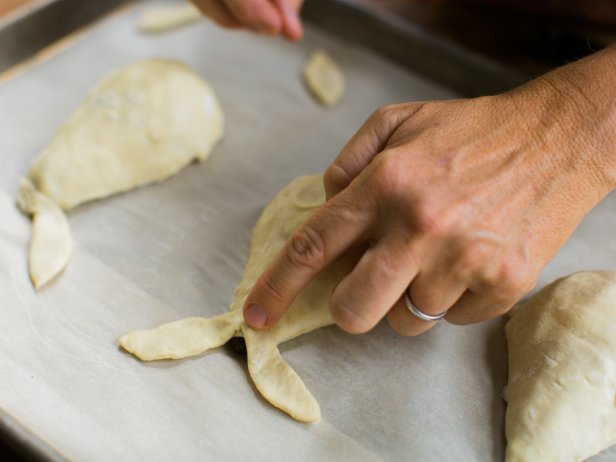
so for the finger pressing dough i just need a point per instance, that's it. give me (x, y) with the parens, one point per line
(139, 125)
(163, 18)
(562, 371)
(324, 78)
(273, 377)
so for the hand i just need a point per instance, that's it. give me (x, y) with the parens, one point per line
(462, 202)
(264, 16)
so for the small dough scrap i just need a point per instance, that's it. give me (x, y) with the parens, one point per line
(50, 247)
(324, 78)
(183, 338)
(273, 377)
(562, 371)
(139, 125)
(164, 18)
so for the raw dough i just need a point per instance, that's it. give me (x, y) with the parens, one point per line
(273, 377)
(163, 18)
(51, 245)
(139, 125)
(324, 78)
(562, 371)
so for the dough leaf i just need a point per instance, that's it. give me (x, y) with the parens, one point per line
(276, 380)
(50, 248)
(183, 338)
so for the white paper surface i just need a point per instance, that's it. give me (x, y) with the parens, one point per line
(177, 249)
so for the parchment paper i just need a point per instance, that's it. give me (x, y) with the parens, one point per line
(178, 249)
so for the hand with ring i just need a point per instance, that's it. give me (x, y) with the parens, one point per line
(271, 17)
(458, 204)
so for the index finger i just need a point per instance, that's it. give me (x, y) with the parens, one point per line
(321, 240)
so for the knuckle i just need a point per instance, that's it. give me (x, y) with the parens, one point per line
(389, 266)
(473, 256)
(389, 177)
(430, 218)
(390, 115)
(347, 210)
(306, 248)
(348, 317)
(427, 214)
(272, 288)
(443, 217)
(336, 176)
(381, 112)
(514, 280)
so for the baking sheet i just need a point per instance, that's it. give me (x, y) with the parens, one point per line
(177, 249)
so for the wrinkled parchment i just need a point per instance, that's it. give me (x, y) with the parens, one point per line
(158, 254)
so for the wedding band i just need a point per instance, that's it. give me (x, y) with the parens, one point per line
(418, 313)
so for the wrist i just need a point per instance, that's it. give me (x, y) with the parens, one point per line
(587, 93)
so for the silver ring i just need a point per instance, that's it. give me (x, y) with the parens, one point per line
(418, 313)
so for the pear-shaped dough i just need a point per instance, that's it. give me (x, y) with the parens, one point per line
(139, 125)
(273, 377)
(562, 371)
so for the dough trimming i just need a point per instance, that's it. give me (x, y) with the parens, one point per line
(324, 78)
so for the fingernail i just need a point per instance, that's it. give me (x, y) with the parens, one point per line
(255, 316)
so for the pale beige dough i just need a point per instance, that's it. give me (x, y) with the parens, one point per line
(273, 377)
(139, 125)
(50, 248)
(183, 338)
(324, 78)
(162, 18)
(562, 371)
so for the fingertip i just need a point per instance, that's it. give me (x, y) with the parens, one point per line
(255, 316)
(293, 35)
(292, 29)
